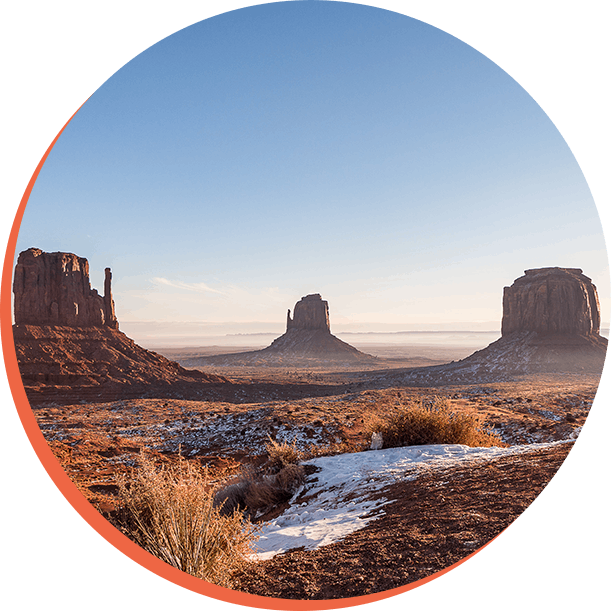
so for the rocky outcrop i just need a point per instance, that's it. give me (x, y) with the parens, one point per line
(307, 343)
(310, 314)
(551, 324)
(551, 300)
(308, 339)
(68, 344)
(54, 289)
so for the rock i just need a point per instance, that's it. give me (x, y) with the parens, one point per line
(68, 345)
(311, 313)
(308, 342)
(551, 324)
(376, 441)
(551, 300)
(54, 289)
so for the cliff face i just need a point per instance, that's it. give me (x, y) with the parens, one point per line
(311, 313)
(54, 289)
(551, 324)
(551, 300)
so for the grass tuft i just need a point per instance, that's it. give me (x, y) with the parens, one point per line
(435, 423)
(282, 454)
(169, 511)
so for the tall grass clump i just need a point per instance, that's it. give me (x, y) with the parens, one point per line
(168, 510)
(418, 423)
(282, 454)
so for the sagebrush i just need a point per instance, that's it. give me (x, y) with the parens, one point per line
(253, 492)
(281, 454)
(169, 511)
(419, 423)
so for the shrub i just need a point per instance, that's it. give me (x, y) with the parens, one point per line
(253, 492)
(282, 454)
(169, 512)
(420, 424)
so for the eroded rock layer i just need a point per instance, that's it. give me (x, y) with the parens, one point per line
(68, 344)
(53, 288)
(311, 313)
(551, 300)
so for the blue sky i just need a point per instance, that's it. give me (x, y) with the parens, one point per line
(302, 147)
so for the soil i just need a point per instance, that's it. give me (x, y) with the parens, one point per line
(435, 520)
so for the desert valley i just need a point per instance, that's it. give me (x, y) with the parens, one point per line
(320, 447)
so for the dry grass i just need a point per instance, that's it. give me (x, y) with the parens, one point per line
(418, 423)
(282, 454)
(169, 512)
(253, 492)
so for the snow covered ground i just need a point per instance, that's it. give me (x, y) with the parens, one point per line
(340, 498)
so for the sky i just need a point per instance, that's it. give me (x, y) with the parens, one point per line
(309, 147)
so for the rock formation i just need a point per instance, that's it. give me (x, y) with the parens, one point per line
(310, 314)
(54, 289)
(550, 324)
(308, 335)
(551, 300)
(308, 342)
(68, 344)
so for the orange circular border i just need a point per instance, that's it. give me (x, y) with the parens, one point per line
(91, 515)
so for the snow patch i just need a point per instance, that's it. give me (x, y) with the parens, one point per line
(337, 499)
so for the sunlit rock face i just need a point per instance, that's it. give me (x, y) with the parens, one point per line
(68, 345)
(551, 300)
(54, 289)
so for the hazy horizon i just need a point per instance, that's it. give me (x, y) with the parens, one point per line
(258, 335)
(295, 148)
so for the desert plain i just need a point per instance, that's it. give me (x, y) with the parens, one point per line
(364, 518)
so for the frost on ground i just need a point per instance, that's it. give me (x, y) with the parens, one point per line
(346, 493)
(248, 430)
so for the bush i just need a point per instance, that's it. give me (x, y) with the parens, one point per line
(420, 424)
(282, 454)
(169, 512)
(253, 492)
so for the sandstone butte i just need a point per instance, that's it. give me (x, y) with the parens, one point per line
(308, 341)
(308, 334)
(550, 324)
(68, 342)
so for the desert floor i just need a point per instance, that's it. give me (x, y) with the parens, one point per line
(437, 516)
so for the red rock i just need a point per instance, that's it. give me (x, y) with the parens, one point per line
(54, 289)
(68, 344)
(551, 300)
(311, 313)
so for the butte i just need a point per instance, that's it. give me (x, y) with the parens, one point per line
(550, 324)
(308, 341)
(68, 344)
